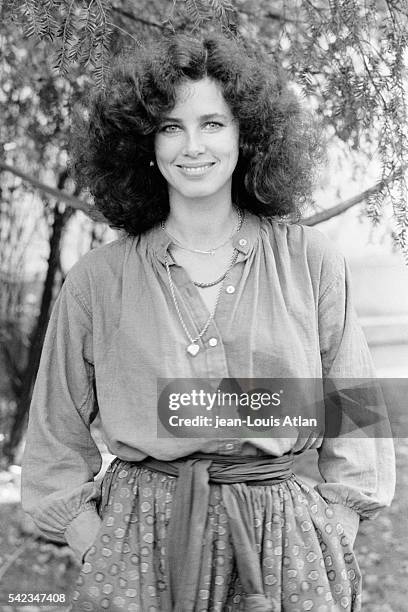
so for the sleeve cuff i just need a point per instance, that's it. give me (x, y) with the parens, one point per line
(81, 532)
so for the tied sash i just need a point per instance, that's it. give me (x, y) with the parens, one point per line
(189, 515)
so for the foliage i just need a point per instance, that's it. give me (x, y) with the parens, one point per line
(34, 113)
(350, 58)
(361, 91)
(35, 103)
(34, 134)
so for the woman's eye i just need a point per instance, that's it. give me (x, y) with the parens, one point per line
(174, 128)
(170, 129)
(212, 125)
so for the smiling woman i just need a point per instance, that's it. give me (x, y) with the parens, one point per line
(113, 150)
(199, 151)
(197, 145)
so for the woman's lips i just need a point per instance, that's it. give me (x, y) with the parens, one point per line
(196, 170)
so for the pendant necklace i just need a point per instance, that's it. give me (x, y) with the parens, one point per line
(193, 347)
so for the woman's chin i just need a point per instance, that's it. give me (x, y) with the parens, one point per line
(199, 191)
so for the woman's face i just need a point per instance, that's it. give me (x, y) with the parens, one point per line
(197, 144)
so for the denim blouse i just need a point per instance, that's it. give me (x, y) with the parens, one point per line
(285, 310)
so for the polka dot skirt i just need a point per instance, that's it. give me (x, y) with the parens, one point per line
(307, 562)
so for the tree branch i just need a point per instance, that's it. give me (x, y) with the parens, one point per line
(95, 215)
(270, 14)
(116, 27)
(148, 22)
(60, 195)
(279, 17)
(340, 208)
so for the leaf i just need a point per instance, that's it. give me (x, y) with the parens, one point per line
(32, 25)
(67, 34)
(221, 8)
(196, 12)
(87, 20)
(75, 50)
(100, 58)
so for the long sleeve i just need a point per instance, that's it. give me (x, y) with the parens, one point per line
(61, 458)
(359, 469)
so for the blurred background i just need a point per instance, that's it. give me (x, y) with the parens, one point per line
(347, 60)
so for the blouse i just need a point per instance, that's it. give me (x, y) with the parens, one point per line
(285, 310)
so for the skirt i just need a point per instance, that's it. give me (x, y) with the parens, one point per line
(307, 562)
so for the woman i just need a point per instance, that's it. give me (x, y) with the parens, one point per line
(196, 149)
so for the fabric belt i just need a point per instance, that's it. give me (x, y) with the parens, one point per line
(189, 515)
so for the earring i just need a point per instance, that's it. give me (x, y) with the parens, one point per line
(151, 163)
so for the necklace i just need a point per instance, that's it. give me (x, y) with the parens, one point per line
(209, 251)
(221, 278)
(193, 347)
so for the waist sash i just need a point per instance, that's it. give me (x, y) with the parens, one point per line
(189, 515)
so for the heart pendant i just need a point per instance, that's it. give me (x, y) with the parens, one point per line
(193, 349)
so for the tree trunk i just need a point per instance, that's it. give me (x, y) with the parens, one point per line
(37, 337)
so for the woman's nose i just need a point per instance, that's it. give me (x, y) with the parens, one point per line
(194, 144)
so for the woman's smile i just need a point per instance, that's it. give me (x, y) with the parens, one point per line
(197, 170)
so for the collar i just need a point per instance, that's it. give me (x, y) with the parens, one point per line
(158, 241)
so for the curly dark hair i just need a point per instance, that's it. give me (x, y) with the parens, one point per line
(113, 142)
